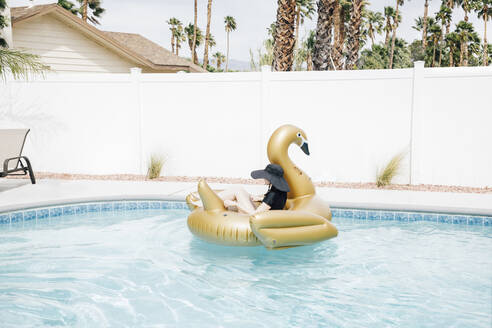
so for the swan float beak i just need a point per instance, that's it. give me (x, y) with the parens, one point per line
(305, 148)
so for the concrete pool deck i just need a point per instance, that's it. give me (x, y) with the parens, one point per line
(19, 193)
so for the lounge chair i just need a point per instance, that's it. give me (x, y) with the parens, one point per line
(11, 145)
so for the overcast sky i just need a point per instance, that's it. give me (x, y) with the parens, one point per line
(148, 18)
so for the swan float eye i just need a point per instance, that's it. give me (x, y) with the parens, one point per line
(298, 134)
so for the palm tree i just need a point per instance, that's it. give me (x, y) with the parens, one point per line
(272, 30)
(194, 57)
(374, 24)
(219, 59)
(230, 25)
(82, 10)
(309, 45)
(179, 37)
(211, 41)
(283, 48)
(207, 34)
(304, 9)
(322, 46)
(466, 33)
(444, 15)
(452, 43)
(389, 13)
(397, 14)
(419, 23)
(94, 6)
(435, 36)
(69, 5)
(465, 5)
(195, 38)
(485, 12)
(173, 23)
(339, 14)
(449, 4)
(353, 40)
(424, 26)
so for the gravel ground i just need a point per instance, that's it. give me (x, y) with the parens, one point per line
(350, 185)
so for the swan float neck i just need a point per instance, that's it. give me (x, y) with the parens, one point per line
(278, 153)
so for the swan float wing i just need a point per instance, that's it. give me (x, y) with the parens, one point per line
(291, 228)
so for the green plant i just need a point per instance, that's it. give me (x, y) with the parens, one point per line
(155, 166)
(392, 169)
(20, 64)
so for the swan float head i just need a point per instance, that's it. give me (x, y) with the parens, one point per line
(299, 182)
(302, 142)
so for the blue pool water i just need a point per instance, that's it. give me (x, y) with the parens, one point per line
(143, 268)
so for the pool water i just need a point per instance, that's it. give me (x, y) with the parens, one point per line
(144, 269)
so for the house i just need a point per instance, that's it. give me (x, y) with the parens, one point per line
(66, 43)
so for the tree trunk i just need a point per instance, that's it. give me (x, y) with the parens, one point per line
(283, 49)
(207, 34)
(462, 51)
(298, 24)
(227, 58)
(434, 53)
(393, 39)
(451, 56)
(193, 49)
(172, 41)
(324, 27)
(309, 61)
(177, 47)
(424, 27)
(354, 34)
(450, 5)
(388, 28)
(485, 45)
(465, 53)
(84, 10)
(441, 40)
(337, 51)
(371, 34)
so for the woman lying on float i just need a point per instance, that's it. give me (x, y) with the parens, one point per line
(285, 217)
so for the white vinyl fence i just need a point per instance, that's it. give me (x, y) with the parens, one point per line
(219, 124)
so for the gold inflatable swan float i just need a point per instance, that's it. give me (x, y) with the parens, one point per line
(305, 219)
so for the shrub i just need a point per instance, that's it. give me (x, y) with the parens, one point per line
(392, 169)
(155, 166)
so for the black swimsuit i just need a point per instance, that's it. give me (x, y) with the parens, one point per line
(275, 198)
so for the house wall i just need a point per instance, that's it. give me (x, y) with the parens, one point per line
(66, 49)
(219, 124)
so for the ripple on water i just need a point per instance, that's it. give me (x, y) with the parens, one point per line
(144, 268)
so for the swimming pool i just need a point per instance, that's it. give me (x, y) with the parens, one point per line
(136, 264)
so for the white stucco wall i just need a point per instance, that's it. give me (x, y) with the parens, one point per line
(219, 124)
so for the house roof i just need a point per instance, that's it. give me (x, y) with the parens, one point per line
(148, 49)
(133, 46)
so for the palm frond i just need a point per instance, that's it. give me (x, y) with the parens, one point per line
(20, 64)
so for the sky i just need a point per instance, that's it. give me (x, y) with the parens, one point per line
(148, 18)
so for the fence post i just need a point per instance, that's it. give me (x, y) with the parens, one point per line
(415, 115)
(136, 76)
(264, 95)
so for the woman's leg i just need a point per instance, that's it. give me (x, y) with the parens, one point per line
(240, 195)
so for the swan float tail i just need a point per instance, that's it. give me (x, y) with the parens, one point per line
(211, 201)
(277, 229)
